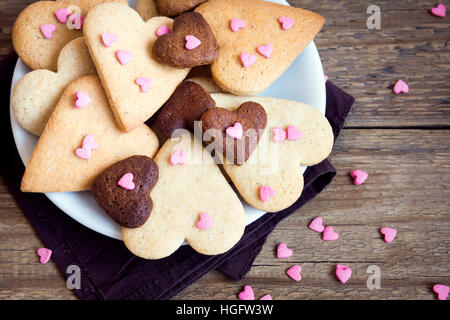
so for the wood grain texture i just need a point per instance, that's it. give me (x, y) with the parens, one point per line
(402, 141)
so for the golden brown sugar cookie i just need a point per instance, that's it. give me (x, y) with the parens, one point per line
(43, 28)
(35, 96)
(80, 140)
(120, 43)
(258, 41)
(192, 201)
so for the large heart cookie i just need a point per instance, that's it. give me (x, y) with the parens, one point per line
(234, 134)
(123, 190)
(128, 61)
(271, 179)
(35, 96)
(190, 44)
(258, 40)
(185, 106)
(191, 201)
(35, 44)
(81, 140)
(175, 7)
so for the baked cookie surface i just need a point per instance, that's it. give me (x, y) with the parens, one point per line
(184, 194)
(260, 50)
(30, 44)
(78, 143)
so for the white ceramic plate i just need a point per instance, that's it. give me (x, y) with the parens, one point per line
(303, 82)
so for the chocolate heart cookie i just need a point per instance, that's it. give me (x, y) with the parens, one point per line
(190, 44)
(234, 134)
(185, 106)
(175, 7)
(123, 190)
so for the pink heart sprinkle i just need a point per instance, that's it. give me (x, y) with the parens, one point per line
(124, 57)
(359, 177)
(47, 30)
(109, 39)
(283, 251)
(317, 225)
(439, 11)
(162, 30)
(178, 158)
(265, 50)
(286, 23)
(293, 133)
(400, 87)
(83, 152)
(266, 297)
(45, 255)
(144, 83)
(126, 182)
(247, 294)
(279, 135)
(77, 21)
(442, 291)
(62, 14)
(204, 222)
(343, 273)
(294, 272)
(81, 100)
(237, 24)
(90, 142)
(192, 42)
(247, 59)
(265, 193)
(325, 77)
(389, 234)
(329, 234)
(236, 131)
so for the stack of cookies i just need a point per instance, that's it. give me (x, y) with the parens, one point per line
(167, 155)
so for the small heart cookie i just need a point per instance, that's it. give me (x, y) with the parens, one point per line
(439, 11)
(442, 291)
(343, 273)
(184, 107)
(115, 190)
(389, 234)
(68, 128)
(317, 225)
(190, 44)
(234, 134)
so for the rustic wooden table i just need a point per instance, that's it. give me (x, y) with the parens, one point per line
(403, 141)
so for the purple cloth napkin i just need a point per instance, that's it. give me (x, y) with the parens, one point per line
(108, 269)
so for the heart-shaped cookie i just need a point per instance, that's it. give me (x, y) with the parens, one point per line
(175, 7)
(190, 44)
(278, 165)
(123, 190)
(177, 210)
(234, 134)
(29, 40)
(131, 105)
(185, 106)
(35, 96)
(55, 166)
(257, 69)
